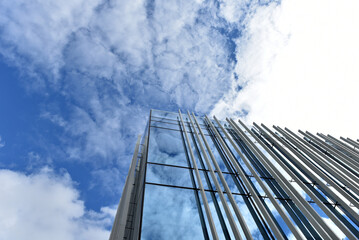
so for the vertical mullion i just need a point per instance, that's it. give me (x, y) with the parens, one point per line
(350, 176)
(263, 221)
(209, 184)
(263, 186)
(279, 156)
(291, 208)
(198, 202)
(337, 214)
(256, 214)
(204, 198)
(330, 150)
(256, 191)
(258, 201)
(339, 176)
(303, 205)
(229, 194)
(324, 177)
(343, 147)
(351, 142)
(318, 146)
(304, 187)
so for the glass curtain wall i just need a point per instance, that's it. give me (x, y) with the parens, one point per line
(201, 178)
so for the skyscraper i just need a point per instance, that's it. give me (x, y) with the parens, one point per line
(194, 177)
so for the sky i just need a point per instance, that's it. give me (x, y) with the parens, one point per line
(78, 79)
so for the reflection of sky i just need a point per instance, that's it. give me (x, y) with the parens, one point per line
(166, 147)
(168, 175)
(170, 213)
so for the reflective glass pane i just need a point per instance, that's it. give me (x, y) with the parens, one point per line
(216, 154)
(168, 175)
(170, 213)
(230, 182)
(166, 147)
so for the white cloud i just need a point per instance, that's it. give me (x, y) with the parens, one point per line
(107, 180)
(232, 10)
(47, 206)
(36, 161)
(34, 33)
(298, 64)
(117, 62)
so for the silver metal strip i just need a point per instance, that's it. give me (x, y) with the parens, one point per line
(338, 188)
(346, 147)
(318, 181)
(218, 187)
(280, 210)
(118, 229)
(327, 148)
(351, 142)
(249, 186)
(341, 146)
(342, 159)
(319, 203)
(345, 144)
(297, 198)
(203, 195)
(334, 172)
(349, 175)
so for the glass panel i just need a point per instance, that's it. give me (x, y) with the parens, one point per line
(256, 185)
(229, 180)
(170, 213)
(168, 175)
(204, 181)
(166, 147)
(216, 154)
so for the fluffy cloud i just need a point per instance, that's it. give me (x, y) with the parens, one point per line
(298, 67)
(108, 62)
(47, 206)
(33, 34)
(113, 61)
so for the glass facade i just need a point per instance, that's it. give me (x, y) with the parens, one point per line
(193, 177)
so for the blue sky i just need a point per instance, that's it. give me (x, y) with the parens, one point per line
(78, 78)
